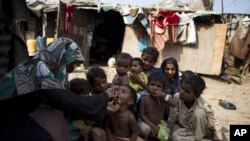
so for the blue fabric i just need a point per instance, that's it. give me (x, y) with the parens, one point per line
(153, 70)
(173, 86)
(40, 43)
(73, 132)
(142, 43)
(128, 19)
(46, 70)
(140, 96)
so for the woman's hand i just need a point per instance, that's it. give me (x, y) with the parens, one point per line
(114, 103)
(112, 92)
(134, 78)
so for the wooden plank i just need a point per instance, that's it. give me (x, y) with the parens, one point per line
(206, 56)
(220, 38)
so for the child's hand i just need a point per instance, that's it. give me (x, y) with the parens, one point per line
(134, 78)
(155, 130)
(117, 81)
(159, 94)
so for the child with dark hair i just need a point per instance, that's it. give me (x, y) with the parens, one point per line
(79, 129)
(152, 109)
(149, 58)
(97, 79)
(170, 67)
(80, 86)
(123, 65)
(121, 125)
(137, 69)
(186, 74)
(193, 118)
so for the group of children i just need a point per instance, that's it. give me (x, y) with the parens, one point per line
(149, 103)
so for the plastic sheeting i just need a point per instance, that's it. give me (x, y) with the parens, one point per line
(36, 6)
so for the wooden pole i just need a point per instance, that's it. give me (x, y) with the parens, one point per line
(222, 7)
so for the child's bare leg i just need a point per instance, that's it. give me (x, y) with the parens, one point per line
(98, 134)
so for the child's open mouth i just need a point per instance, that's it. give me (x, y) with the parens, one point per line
(114, 104)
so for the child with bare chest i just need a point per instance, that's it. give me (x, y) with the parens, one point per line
(151, 108)
(121, 124)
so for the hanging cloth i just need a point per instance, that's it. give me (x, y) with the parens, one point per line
(68, 16)
(160, 23)
(239, 46)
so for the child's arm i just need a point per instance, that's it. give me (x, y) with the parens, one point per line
(116, 81)
(145, 119)
(165, 97)
(124, 79)
(172, 118)
(213, 123)
(174, 111)
(133, 127)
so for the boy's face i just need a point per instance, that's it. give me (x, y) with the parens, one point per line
(155, 86)
(136, 67)
(148, 61)
(186, 93)
(100, 85)
(124, 95)
(122, 66)
(170, 70)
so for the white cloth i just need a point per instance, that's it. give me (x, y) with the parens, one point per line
(245, 26)
(186, 31)
(191, 34)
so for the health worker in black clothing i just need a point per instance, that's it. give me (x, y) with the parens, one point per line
(34, 95)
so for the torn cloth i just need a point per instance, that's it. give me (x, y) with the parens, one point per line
(239, 47)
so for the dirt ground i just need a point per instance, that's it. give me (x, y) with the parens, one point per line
(234, 93)
(216, 89)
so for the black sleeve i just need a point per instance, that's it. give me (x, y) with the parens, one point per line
(87, 107)
(16, 107)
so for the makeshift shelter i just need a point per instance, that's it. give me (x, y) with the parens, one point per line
(44, 17)
(236, 58)
(203, 56)
(100, 34)
(41, 23)
(104, 30)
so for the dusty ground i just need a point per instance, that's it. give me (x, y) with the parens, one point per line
(237, 94)
(216, 89)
